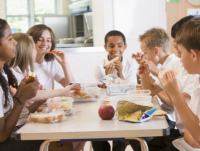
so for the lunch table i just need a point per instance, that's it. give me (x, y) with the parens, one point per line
(87, 125)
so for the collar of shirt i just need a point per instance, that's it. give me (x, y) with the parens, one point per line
(44, 63)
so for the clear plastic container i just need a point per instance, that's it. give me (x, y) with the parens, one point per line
(139, 92)
(94, 92)
(120, 89)
(66, 104)
(141, 100)
(54, 103)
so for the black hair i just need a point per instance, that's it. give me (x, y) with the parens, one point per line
(178, 25)
(12, 81)
(115, 33)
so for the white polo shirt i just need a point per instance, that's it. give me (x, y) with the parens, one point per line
(5, 111)
(186, 80)
(47, 72)
(129, 70)
(25, 112)
(195, 97)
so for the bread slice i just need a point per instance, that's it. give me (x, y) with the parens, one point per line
(45, 118)
(78, 94)
(111, 61)
(31, 77)
(161, 73)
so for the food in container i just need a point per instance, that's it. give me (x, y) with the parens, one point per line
(54, 103)
(52, 117)
(78, 94)
(66, 104)
(139, 92)
(139, 87)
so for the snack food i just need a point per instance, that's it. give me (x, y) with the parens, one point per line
(139, 87)
(78, 94)
(31, 77)
(52, 117)
(134, 116)
(161, 73)
(160, 113)
(53, 51)
(111, 61)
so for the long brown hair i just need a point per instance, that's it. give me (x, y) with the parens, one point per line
(23, 57)
(36, 32)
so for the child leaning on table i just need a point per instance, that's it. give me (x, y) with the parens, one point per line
(156, 50)
(188, 41)
(115, 45)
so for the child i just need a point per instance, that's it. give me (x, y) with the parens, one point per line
(46, 67)
(115, 45)
(188, 40)
(157, 50)
(175, 28)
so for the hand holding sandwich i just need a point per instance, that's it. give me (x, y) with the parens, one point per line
(119, 67)
(138, 57)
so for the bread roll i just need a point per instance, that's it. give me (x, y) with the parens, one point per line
(111, 61)
(31, 77)
(161, 73)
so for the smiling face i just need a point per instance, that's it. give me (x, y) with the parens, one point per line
(149, 54)
(115, 46)
(8, 45)
(44, 43)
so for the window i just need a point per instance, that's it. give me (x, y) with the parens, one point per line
(22, 14)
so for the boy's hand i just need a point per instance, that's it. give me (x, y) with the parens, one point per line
(143, 68)
(170, 83)
(153, 68)
(138, 57)
(119, 67)
(190, 140)
(110, 69)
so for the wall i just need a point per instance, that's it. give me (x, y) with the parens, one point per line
(65, 9)
(176, 11)
(3, 9)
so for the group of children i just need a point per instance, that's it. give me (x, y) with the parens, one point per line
(178, 95)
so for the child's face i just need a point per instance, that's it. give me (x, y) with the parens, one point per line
(178, 53)
(115, 46)
(149, 54)
(44, 43)
(189, 62)
(8, 45)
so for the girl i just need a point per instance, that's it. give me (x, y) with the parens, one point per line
(11, 106)
(50, 66)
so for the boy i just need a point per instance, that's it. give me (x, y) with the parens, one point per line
(188, 40)
(155, 45)
(115, 45)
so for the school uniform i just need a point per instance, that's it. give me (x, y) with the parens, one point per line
(47, 72)
(165, 143)
(129, 70)
(11, 143)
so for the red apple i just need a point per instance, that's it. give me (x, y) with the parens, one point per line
(106, 112)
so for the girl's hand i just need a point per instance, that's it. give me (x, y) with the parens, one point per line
(69, 88)
(110, 69)
(27, 91)
(170, 83)
(60, 56)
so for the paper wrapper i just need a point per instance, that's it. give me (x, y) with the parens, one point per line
(132, 112)
(53, 117)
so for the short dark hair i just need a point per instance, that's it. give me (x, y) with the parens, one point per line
(178, 25)
(115, 33)
(3, 24)
(36, 31)
(189, 35)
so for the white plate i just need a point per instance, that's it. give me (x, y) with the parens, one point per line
(181, 145)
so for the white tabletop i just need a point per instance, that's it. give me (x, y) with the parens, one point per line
(86, 124)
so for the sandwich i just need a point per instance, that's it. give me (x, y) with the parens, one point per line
(31, 77)
(139, 87)
(161, 73)
(78, 94)
(111, 61)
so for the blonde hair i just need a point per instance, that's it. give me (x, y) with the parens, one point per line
(23, 57)
(156, 37)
